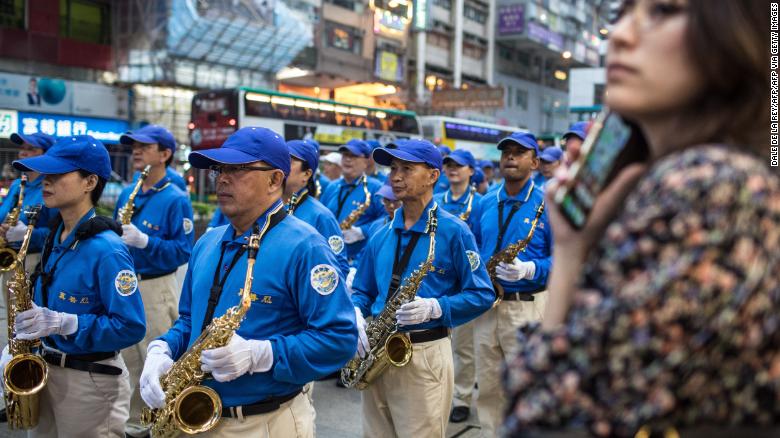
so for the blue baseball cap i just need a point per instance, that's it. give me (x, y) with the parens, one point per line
(486, 163)
(579, 129)
(314, 143)
(356, 147)
(38, 140)
(373, 144)
(462, 157)
(478, 177)
(524, 139)
(386, 191)
(551, 154)
(415, 151)
(150, 134)
(304, 151)
(69, 154)
(444, 150)
(247, 145)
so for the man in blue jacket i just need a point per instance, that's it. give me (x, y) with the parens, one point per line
(347, 193)
(508, 214)
(414, 400)
(300, 326)
(160, 237)
(31, 145)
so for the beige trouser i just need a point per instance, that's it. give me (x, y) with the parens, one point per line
(159, 297)
(495, 338)
(294, 418)
(463, 339)
(412, 401)
(29, 266)
(83, 404)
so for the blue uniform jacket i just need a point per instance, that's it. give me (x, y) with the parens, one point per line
(171, 174)
(355, 197)
(164, 213)
(539, 249)
(539, 180)
(460, 282)
(379, 176)
(218, 219)
(318, 216)
(442, 185)
(458, 206)
(94, 280)
(299, 303)
(33, 195)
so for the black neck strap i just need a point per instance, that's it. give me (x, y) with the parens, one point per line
(400, 264)
(344, 194)
(218, 283)
(502, 226)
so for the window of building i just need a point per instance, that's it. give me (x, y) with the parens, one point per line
(508, 96)
(446, 4)
(474, 52)
(86, 20)
(346, 4)
(343, 37)
(521, 98)
(474, 14)
(12, 13)
(439, 40)
(505, 53)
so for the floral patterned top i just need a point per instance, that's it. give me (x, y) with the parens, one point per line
(677, 320)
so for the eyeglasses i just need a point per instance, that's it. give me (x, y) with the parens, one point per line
(648, 14)
(217, 170)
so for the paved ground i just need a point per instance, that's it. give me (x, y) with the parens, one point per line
(338, 415)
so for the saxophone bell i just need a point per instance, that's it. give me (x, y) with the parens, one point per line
(197, 409)
(7, 259)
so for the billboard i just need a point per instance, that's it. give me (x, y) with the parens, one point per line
(511, 19)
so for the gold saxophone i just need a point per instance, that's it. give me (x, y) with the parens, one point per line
(465, 215)
(508, 254)
(189, 406)
(26, 373)
(8, 255)
(125, 214)
(387, 345)
(295, 199)
(356, 213)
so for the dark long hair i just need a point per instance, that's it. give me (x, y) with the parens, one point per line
(728, 42)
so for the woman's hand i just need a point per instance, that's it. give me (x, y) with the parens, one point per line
(570, 246)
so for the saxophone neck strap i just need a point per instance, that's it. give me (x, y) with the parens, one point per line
(86, 230)
(344, 194)
(219, 283)
(503, 225)
(400, 262)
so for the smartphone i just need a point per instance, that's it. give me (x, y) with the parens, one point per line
(610, 146)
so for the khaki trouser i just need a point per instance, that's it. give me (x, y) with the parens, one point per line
(83, 404)
(159, 297)
(294, 418)
(29, 266)
(412, 401)
(495, 338)
(463, 339)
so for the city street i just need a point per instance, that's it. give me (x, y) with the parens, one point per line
(338, 415)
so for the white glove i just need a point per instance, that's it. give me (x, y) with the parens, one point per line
(40, 322)
(351, 277)
(363, 345)
(516, 271)
(353, 235)
(158, 362)
(16, 233)
(132, 236)
(238, 357)
(418, 311)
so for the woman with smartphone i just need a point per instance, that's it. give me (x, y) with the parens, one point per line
(664, 307)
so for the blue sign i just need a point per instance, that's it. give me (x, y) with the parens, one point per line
(105, 130)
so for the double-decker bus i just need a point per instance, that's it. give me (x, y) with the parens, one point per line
(477, 137)
(217, 114)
